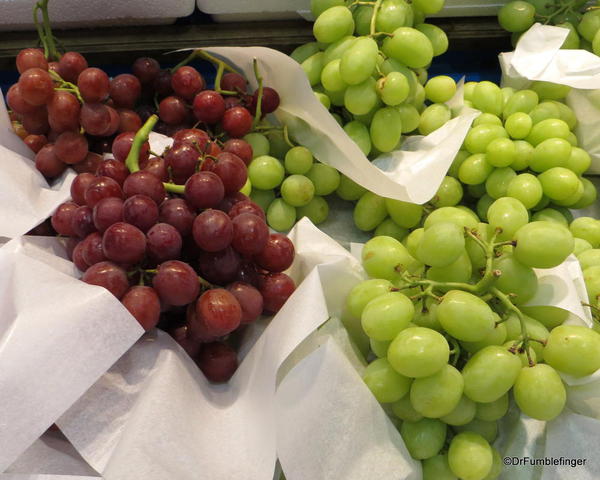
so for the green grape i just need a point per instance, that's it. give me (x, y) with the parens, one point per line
(559, 183)
(589, 194)
(487, 97)
(359, 133)
(468, 211)
(423, 438)
(317, 7)
(422, 76)
(364, 292)
(418, 352)
(367, 118)
(262, 197)
(434, 117)
(390, 65)
(409, 46)
(587, 228)
(297, 190)
(392, 14)
(379, 348)
(492, 411)
(437, 37)
(440, 89)
(405, 214)
(447, 234)
(465, 316)
(333, 24)
(418, 99)
(385, 383)
(336, 99)
(591, 277)
(516, 16)
(313, 66)
(488, 118)
(317, 210)
(418, 15)
(524, 151)
(596, 44)
(382, 255)
(393, 88)
(543, 244)
(265, 172)
(476, 191)
(359, 60)
(508, 214)
(437, 395)
(483, 205)
(302, 52)
(298, 160)
(572, 41)
(538, 331)
(573, 349)
(589, 25)
(458, 271)
(413, 240)
(589, 258)
(409, 117)
(550, 153)
(518, 125)
(449, 193)
(326, 179)
(522, 101)
(550, 215)
(280, 215)
(475, 170)
(259, 143)
(544, 111)
(429, 7)
(336, 49)
(507, 92)
(490, 373)
(526, 188)
(390, 228)
(331, 78)
(566, 114)
(500, 152)
(488, 430)
(549, 128)
(581, 246)
(425, 315)
(479, 137)
(549, 90)
(579, 161)
(462, 414)
(539, 392)
(455, 215)
(515, 278)
(497, 466)
(404, 410)
(362, 98)
(468, 90)
(247, 188)
(349, 189)
(496, 337)
(461, 156)
(362, 19)
(369, 212)
(278, 145)
(386, 129)
(542, 7)
(437, 468)
(470, 456)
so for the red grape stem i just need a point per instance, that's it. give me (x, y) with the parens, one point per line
(259, 79)
(65, 86)
(45, 31)
(132, 162)
(221, 67)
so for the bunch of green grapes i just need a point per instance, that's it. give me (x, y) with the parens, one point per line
(452, 340)
(580, 17)
(368, 67)
(286, 181)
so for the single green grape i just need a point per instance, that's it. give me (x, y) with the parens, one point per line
(298, 160)
(581, 246)
(404, 410)
(479, 137)
(589, 258)
(281, 216)
(331, 78)
(437, 37)
(409, 46)
(587, 228)
(447, 234)
(590, 194)
(423, 438)
(405, 214)
(434, 117)
(317, 210)
(392, 14)
(409, 117)
(500, 152)
(559, 183)
(349, 189)
(383, 256)
(266, 172)
(364, 292)
(297, 190)
(549, 128)
(518, 125)
(361, 98)
(369, 212)
(393, 88)
(335, 50)
(488, 430)
(247, 188)
(333, 24)
(483, 205)
(437, 395)
(516, 16)
(488, 98)
(313, 66)
(389, 228)
(526, 188)
(386, 129)
(509, 215)
(550, 215)
(475, 169)
(522, 101)
(539, 392)
(259, 143)
(465, 316)
(449, 193)
(359, 133)
(440, 89)
(492, 411)
(579, 161)
(359, 61)
(437, 468)
(591, 277)
(304, 51)
(543, 244)
(463, 413)
(550, 153)
(470, 456)
(326, 179)
(379, 348)
(418, 352)
(515, 278)
(524, 151)
(385, 383)
(573, 349)
(497, 183)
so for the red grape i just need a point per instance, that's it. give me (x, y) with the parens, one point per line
(213, 230)
(82, 222)
(277, 255)
(217, 361)
(70, 245)
(187, 82)
(121, 147)
(204, 190)
(17, 103)
(93, 84)
(77, 257)
(231, 102)
(125, 90)
(80, 184)
(233, 82)
(63, 112)
(192, 137)
(176, 283)
(172, 110)
(209, 106)
(249, 299)
(107, 275)
(102, 187)
(31, 58)
(95, 118)
(71, 147)
(231, 170)
(182, 160)
(220, 311)
(113, 169)
(145, 69)
(221, 267)
(275, 289)
(177, 212)
(48, 163)
(247, 273)
(162, 83)
(144, 183)
(269, 103)
(92, 249)
(184, 336)
(156, 166)
(140, 211)
(246, 206)
(250, 233)
(90, 163)
(36, 86)
(163, 242)
(35, 142)
(124, 243)
(129, 121)
(107, 212)
(61, 218)
(237, 122)
(239, 147)
(36, 122)
(143, 303)
(70, 65)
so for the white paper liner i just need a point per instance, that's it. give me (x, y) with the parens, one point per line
(58, 335)
(538, 56)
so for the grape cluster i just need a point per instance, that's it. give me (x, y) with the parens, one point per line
(451, 338)
(582, 21)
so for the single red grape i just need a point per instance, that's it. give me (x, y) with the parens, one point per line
(129, 121)
(204, 190)
(220, 311)
(35, 142)
(48, 163)
(145, 69)
(82, 222)
(107, 275)
(275, 289)
(90, 163)
(213, 230)
(77, 257)
(121, 147)
(61, 218)
(95, 118)
(209, 106)
(17, 103)
(92, 249)
(187, 82)
(124, 243)
(231, 170)
(182, 160)
(140, 211)
(173, 110)
(270, 100)
(70, 65)
(113, 169)
(107, 212)
(64, 111)
(93, 84)
(250, 233)
(125, 90)
(36, 86)
(71, 147)
(233, 82)
(163, 242)
(237, 122)
(143, 303)
(102, 187)
(277, 255)
(221, 267)
(177, 212)
(144, 183)
(250, 300)
(80, 184)
(31, 58)
(246, 206)
(217, 361)
(156, 166)
(239, 147)
(36, 122)
(176, 283)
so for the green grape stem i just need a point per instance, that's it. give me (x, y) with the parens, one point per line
(359, 2)
(65, 86)
(594, 310)
(376, 8)
(455, 351)
(568, 6)
(45, 30)
(220, 64)
(259, 80)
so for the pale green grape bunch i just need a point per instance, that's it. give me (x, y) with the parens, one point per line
(451, 339)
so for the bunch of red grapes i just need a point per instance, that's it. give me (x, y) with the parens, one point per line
(201, 262)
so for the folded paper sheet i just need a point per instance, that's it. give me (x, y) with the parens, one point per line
(58, 335)
(538, 56)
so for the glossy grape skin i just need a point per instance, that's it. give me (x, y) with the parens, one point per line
(492, 411)
(250, 234)
(418, 352)
(437, 468)
(409, 46)
(212, 230)
(176, 283)
(539, 392)
(109, 276)
(573, 349)
(382, 257)
(463, 412)
(91, 251)
(48, 163)
(204, 190)
(187, 82)
(437, 395)
(423, 438)
(385, 316)
(277, 254)
(369, 211)
(163, 242)
(82, 222)
(219, 310)
(542, 244)
(31, 58)
(237, 122)
(124, 243)
(218, 361)
(470, 456)
(106, 212)
(448, 234)
(36, 86)
(490, 373)
(61, 218)
(140, 211)
(250, 300)
(101, 188)
(146, 69)
(385, 383)
(266, 172)
(465, 316)
(276, 288)
(143, 303)
(364, 292)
